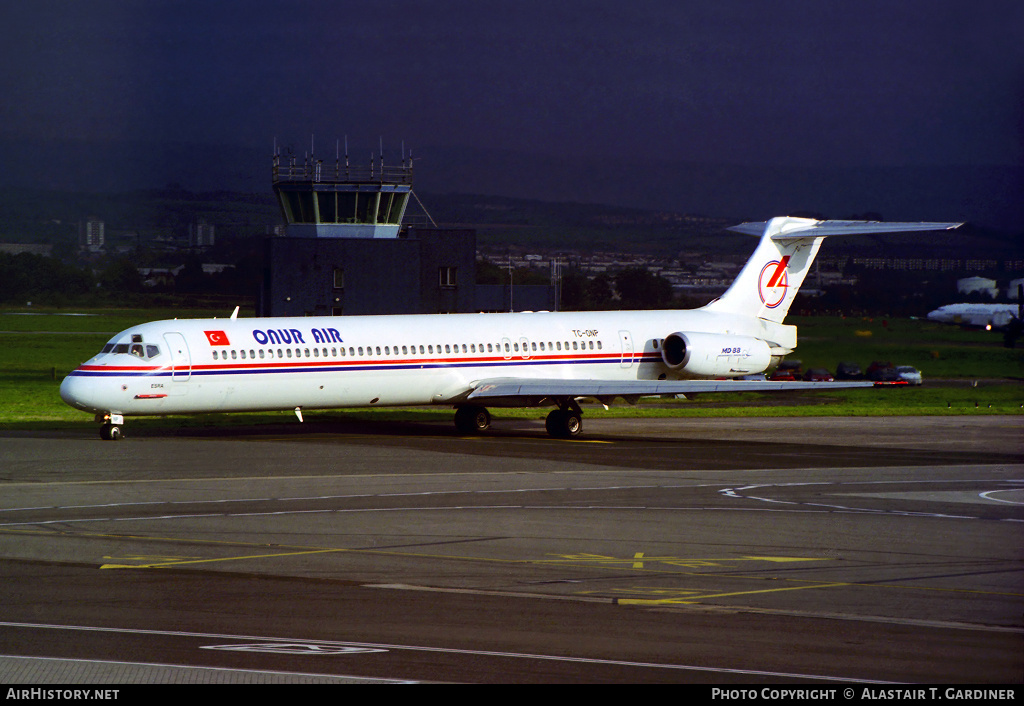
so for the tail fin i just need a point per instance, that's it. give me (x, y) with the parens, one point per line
(766, 286)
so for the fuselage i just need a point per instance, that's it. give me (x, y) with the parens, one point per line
(229, 365)
(978, 315)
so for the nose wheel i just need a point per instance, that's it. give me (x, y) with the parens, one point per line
(110, 432)
(111, 428)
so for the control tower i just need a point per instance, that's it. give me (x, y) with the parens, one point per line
(346, 251)
(341, 200)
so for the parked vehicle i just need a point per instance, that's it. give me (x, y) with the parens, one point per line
(794, 367)
(875, 370)
(849, 371)
(818, 375)
(884, 373)
(909, 374)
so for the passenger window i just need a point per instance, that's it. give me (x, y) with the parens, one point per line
(215, 355)
(234, 354)
(289, 351)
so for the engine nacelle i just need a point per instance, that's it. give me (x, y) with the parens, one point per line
(715, 354)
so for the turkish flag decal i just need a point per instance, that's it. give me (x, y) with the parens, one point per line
(217, 338)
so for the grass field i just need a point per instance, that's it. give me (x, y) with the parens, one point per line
(965, 372)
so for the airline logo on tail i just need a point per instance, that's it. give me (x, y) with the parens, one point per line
(773, 282)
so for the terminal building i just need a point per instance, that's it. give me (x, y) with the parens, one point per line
(347, 249)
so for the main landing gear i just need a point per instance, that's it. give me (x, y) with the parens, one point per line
(471, 419)
(111, 428)
(566, 422)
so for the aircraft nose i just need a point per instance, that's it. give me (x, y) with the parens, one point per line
(75, 391)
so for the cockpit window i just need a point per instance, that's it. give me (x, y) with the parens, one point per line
(136, 348)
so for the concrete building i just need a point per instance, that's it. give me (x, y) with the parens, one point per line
(92, 235)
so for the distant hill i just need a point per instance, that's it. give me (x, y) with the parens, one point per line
(989, 196)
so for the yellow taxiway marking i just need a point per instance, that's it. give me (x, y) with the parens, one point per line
(640, 561)
(703, 597)
(184, 562)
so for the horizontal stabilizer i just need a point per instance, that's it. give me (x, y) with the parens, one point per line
(768, 283)
(807, 228)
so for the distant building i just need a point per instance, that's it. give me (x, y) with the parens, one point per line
(1013, 289)
(968, 285)
(92, 235)
(31, 248)
(200, 234)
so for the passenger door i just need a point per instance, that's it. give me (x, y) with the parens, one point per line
(181, 361)
(626, 346)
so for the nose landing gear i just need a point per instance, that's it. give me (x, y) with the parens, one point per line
(111, 427)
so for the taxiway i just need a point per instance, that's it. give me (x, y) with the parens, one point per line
(715, 551)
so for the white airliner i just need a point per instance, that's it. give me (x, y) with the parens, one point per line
(468, 361)
(986, 316)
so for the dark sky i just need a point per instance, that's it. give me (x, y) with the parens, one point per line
(806, 84)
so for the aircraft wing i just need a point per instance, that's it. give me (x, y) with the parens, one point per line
(534, 391)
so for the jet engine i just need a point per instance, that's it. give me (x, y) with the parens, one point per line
(714, 354)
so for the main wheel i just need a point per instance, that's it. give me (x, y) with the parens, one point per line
(564, 424)
(472, 419)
